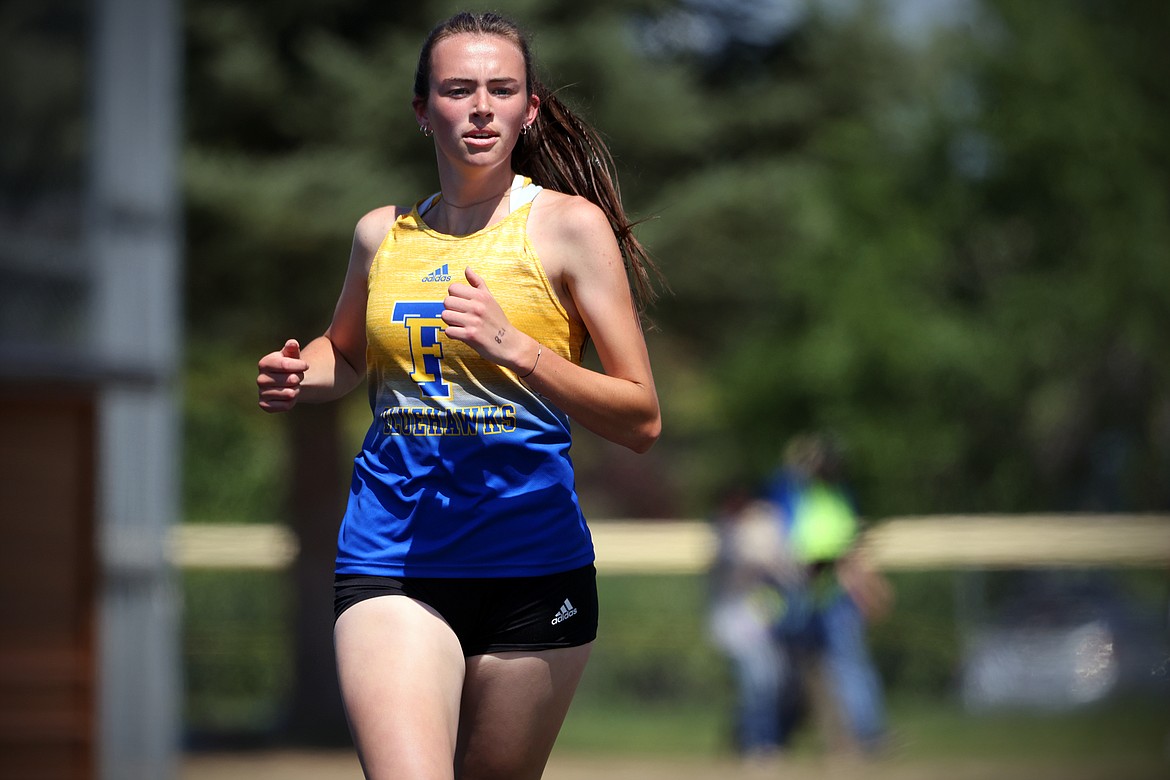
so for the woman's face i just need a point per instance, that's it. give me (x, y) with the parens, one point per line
(478, 99)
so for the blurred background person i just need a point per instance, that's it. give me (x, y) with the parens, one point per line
(824, 620)
(750, 570)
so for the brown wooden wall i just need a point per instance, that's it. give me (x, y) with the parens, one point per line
(47, 582)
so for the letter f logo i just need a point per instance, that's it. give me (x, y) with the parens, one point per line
(423, 323)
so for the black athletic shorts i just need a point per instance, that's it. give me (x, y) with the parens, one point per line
(494, 614)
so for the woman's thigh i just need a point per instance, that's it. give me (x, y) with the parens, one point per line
(401, 671)
(513, 706)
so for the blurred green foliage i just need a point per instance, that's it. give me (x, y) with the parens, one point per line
(654, 683)
(237, 638)
(652, 646)
(232, 455)
(917, 647)
(236, 652)
(950, 246)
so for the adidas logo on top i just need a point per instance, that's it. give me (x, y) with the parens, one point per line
(567, 611)
(440, 274)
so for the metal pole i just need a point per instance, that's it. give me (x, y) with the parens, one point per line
(133, 240)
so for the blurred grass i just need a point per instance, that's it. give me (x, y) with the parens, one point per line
(923, 729)
(1121, 728)
(626, 728)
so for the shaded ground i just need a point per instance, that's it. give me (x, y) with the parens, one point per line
(294, 765)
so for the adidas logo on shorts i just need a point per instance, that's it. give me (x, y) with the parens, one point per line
(567, 611)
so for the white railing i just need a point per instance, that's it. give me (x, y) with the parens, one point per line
(687, 546)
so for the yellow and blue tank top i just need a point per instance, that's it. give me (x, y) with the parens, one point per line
(464, 472)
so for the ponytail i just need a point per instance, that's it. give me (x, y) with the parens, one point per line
(562, 152)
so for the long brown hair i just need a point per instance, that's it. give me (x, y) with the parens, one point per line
(559, 151)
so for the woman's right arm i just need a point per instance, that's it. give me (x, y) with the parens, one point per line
(334, 363)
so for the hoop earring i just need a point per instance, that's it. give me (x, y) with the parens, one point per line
(524, 129)
(425, 130)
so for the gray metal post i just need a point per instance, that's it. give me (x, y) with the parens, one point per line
(133, 238)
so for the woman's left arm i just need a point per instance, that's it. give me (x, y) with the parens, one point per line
(582, 257)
